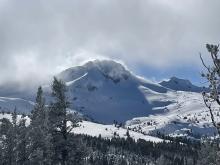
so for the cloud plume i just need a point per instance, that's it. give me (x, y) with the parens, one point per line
(40, 38)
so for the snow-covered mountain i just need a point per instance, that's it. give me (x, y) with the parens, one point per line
(181, 85)
(106, 91)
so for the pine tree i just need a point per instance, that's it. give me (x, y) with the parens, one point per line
(39, 108)
(12, 135)
(128, 134)
(8, 139)
(39, 132)
(58, 118)
(79, 151)
(22, 143)
(7, 142)
(14, 118)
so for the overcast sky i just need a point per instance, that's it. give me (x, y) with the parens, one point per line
(155, 38)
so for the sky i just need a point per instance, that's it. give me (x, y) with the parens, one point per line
(154, 38)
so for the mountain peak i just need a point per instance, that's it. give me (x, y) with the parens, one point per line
(108, 68)
(98, 62)
(176, 83)
(106, 90)
(106, 65)
(180, 81)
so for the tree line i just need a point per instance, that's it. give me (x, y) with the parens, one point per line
(45, 140)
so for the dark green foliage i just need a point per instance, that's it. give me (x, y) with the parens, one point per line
(22, 143)
(58, 122)
(209, 153)
(121, 151)
(39, 135)
(8, 142)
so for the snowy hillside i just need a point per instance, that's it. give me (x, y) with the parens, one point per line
(9, 116)
(188, 116)
(95, 130)
(109, 131)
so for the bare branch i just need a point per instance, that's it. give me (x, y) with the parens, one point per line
(200, 55)
(210, 110)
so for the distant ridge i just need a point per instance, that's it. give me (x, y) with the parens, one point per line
(178, 84)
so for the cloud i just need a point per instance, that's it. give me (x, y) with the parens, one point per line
(39, 38)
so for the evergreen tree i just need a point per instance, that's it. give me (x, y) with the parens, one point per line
(8, 132)
(22, 143)
(128, 134)
(58, 118)
(39, 109)
(39, 132)
(7, 142)
(14, 118)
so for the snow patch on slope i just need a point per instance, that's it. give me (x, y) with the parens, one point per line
(9, 116)
(186, 116)
(108, 131)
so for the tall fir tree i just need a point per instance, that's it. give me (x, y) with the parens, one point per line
(22, 142)
(8, 139)
(39, 132)
(58, 118)
(7, 142)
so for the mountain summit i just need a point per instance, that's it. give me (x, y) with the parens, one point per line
(178, 84)
(106, 91)
(107, 68)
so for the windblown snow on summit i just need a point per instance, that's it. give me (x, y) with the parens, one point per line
(106, 91)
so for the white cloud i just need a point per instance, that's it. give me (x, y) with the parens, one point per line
(42, 37)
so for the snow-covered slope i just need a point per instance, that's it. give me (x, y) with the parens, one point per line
(96, 130)
(187, 116)
(110, 131)
(9, 116)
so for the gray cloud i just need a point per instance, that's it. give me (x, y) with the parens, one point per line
(39, 38)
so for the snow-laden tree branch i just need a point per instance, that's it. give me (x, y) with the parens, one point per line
(212, 74)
